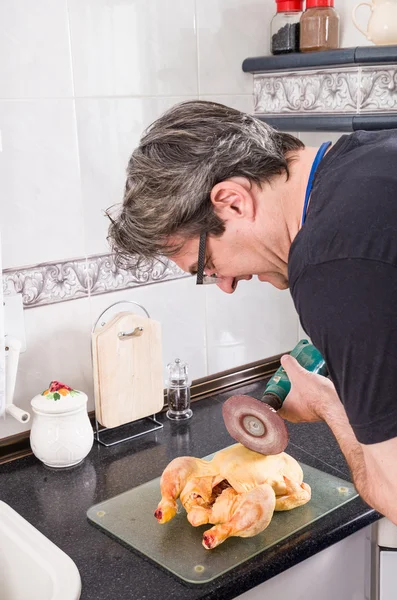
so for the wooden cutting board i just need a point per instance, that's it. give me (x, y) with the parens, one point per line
(128, 371)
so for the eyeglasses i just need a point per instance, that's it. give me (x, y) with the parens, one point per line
(202, 278)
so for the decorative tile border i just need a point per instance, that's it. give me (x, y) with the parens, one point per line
(379, 90)
(307, 91)
(68, 280)
(338, 91)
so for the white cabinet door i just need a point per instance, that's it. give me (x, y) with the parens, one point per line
(388, 575)
(341, 571)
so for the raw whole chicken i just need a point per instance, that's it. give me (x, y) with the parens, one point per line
(237, 491)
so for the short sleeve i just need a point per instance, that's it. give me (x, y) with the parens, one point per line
(348, 307)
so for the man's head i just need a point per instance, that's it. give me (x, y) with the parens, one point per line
(194, 173)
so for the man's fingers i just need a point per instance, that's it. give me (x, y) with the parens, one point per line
(292, 367)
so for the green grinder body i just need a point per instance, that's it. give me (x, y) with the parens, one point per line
(279, 385)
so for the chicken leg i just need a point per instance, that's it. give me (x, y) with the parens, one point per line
(295, 495)
(179, 473)
(243, 515)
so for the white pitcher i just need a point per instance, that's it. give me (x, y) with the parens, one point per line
(382, 25)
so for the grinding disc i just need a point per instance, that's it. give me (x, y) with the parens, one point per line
(255, 424)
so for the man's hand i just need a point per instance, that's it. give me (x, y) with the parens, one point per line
(311, 395)
(314, 398)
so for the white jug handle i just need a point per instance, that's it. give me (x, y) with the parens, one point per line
(355, 21)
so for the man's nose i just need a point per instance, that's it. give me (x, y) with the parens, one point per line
(227, 284)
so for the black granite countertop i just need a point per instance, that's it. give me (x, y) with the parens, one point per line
(56, 503)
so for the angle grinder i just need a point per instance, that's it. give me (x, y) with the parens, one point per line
(255, 423)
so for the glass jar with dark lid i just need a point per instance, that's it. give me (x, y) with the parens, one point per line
(284, 29)
(319, 26)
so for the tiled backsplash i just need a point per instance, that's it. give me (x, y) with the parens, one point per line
(200, 324)
(79, 81)
(72, 279)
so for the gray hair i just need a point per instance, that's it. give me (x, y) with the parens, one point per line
(180, 158)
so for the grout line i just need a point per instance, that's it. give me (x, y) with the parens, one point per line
(230, 94)
(100, 97)
(78, 154)
(196, 28)
(70, 50)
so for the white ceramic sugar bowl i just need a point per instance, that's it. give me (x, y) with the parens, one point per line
(61, 434)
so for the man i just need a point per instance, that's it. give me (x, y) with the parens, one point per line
(223, 194)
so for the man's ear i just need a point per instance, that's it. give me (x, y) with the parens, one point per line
(233, 199)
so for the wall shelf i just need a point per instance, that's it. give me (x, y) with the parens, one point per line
(337, 90)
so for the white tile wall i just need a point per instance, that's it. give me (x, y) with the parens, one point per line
(79, 81)
(255, 322)
(243, 102)
(41, 210)
(228, 32)
(58, 347)
(124, 48)
(35, 50)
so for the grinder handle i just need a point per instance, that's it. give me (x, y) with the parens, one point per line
(279, 385)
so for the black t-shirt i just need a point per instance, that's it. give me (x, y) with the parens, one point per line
(343, 277)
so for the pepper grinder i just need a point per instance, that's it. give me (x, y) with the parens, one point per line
(178, 391)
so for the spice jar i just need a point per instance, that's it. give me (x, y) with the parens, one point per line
(284, 28)
(319, 26)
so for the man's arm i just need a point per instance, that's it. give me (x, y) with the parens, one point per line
(373, 467)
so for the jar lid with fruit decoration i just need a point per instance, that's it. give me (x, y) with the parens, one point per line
(58, 398)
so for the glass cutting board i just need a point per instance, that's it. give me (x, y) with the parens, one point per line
(176, 545)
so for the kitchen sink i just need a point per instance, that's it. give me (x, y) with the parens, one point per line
(31, 566)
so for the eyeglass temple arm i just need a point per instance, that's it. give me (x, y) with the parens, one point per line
(201, 259)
